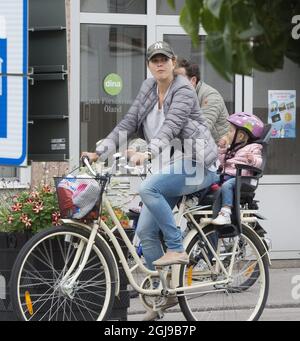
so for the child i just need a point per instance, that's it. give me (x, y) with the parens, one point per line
(238, 147)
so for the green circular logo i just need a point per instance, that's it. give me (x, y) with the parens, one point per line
(113, 84)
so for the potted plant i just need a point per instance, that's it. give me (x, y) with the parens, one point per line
(22, 215)
(29, 211)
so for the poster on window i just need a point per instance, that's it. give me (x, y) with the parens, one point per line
(282, 113)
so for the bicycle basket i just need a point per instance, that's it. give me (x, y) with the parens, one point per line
(77, 196)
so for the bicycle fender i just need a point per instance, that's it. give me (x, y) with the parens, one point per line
(261, 241)
(88, 228)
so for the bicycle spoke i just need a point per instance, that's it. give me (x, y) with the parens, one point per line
(41, 306)
(96, 293)
(89, 309)
(83, 302)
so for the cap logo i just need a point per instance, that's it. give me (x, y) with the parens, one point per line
(158, 46)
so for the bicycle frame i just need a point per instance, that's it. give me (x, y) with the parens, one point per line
(69, 279)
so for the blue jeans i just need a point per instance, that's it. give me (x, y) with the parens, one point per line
(227, 189)
(160, 193)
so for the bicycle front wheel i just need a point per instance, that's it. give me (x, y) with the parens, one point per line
(40, 290)
(244, 294)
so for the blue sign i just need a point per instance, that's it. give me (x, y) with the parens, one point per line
(13, 82)
(3, 80)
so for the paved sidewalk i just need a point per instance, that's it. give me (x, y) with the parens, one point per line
(280, 305)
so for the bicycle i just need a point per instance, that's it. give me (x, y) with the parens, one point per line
(70, 272)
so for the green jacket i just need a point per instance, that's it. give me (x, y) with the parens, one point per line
(214, 110)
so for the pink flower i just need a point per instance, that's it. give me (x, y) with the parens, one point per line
(38, 207)
(10, 220)
(55, 218)
(34, 195)
(25, 220)
(17, 207)
(47, 189)
(15, 197)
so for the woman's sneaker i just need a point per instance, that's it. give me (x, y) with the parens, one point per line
(172, 257)
(224, 217)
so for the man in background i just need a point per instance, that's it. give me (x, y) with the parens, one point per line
(211, 102)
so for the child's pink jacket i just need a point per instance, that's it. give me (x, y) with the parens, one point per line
(240, 157)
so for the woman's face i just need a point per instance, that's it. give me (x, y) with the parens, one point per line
(162, 67)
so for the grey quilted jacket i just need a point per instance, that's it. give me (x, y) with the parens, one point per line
(183, 120)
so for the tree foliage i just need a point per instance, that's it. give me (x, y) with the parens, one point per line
(243, 35)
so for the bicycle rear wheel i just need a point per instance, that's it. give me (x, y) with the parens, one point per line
(38, 292)
(238, 299)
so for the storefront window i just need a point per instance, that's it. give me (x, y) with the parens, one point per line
(280, 108)
(112, 70)
(114, 6)
(184, 49)
(163, 7)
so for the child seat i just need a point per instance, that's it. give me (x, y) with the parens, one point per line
(249, 184)
(245, 188)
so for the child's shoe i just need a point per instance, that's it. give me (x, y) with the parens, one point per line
(224, 217)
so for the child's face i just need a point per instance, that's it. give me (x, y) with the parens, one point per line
(231, 133)
(228, 138)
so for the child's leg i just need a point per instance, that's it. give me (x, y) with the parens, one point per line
(228, 193)
(224, 216)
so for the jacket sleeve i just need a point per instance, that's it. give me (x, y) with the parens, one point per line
(212, 105)
(256, 151)
(176, 118)
(221, 155)
(241, 156)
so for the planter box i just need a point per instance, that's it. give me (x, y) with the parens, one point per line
(11, 244)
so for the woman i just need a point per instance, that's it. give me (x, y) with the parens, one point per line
(166, 108)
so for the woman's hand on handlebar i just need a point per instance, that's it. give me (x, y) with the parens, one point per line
(137, 158)
(93, 157)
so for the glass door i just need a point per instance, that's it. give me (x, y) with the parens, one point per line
(112, 71)
(182, 45)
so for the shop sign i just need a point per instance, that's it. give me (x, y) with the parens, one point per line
(113, 84)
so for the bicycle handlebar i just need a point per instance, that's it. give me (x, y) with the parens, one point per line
(86, 161)
(117, 157)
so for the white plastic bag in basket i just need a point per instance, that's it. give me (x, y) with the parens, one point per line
(85, 193)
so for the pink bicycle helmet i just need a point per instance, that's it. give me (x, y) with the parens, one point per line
(249, 123)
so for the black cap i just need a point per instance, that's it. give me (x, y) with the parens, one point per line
(160, 47)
